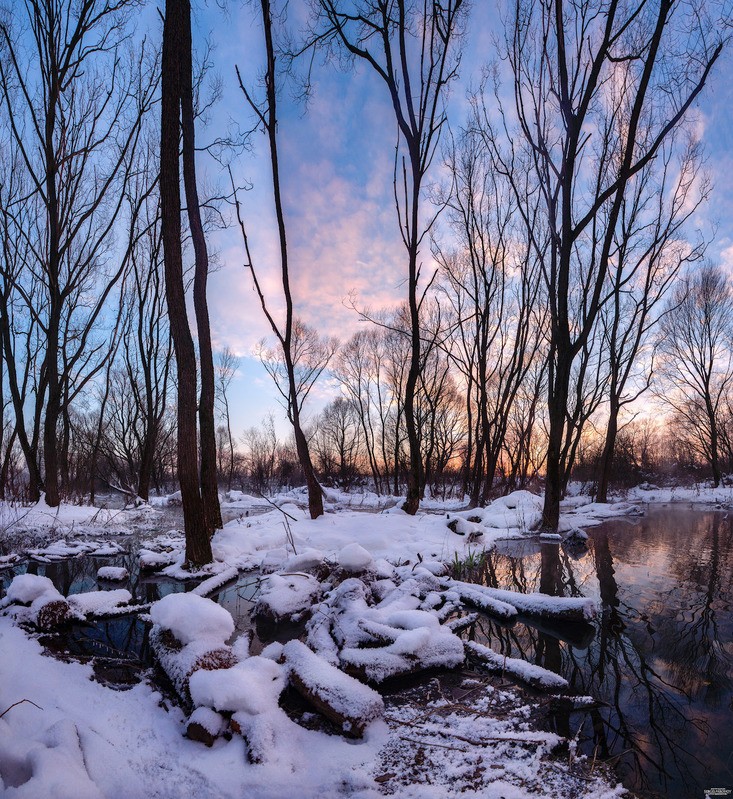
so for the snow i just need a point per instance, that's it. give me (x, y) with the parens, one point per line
(252, 686)
(99, 603)
(113, 573)
(63, 549)
(348, 697)
(215, 582)
(192, 618)
(288, 595)
(497, 600)
(26, 588)
(382, 623)
(354, 558)
(527, 672)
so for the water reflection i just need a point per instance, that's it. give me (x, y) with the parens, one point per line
(659, 657)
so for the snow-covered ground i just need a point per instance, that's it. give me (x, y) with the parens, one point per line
(70, 736)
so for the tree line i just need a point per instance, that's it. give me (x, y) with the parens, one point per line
(554, 272)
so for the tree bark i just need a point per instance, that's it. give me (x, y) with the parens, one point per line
(207, 425)
(198, 546)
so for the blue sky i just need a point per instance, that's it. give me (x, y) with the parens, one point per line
(337, 181)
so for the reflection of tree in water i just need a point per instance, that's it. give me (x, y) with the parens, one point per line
(689, 635)
(646, 668)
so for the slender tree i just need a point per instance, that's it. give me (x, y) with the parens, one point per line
(413, 48)
(207, 425)
(293, 337)
(175, 26)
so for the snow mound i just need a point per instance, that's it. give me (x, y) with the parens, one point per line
(112, 573)
(287, 596)
(193, 618)
(27, 588)
(353, 558)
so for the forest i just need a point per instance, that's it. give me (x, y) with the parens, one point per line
(560, 313)
(366, 373)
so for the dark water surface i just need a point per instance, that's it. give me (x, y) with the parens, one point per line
(659, 658)
(660, 655)
(119, 647)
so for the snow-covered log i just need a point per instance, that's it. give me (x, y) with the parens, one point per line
(38, 602)
(543, 605)
(529, 673)
(287, 596)
(342, 699)
(189, 634)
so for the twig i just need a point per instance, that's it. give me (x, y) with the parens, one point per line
(429, 743)
(19, 702)
(277, 507)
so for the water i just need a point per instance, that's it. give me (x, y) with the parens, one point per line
(659, 658)
(660, 655)
(118, 648)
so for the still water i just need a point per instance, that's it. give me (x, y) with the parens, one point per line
(660, 656)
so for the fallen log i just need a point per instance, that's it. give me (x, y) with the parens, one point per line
(528, 673)
(535, 604)
(344, 700)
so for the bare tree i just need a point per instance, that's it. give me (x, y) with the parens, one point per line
(75, 96)
(294, 339)
(598, 88)
(492, 285)
(413, 48)
(175, 39)
(696, 363)
(226, 369)
(648, 253)
(207, 433)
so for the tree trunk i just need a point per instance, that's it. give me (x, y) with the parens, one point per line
(207, 425)
(607, 456)
(198, 545)
(558, 390)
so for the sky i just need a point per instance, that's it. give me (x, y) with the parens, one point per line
(337, 161)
